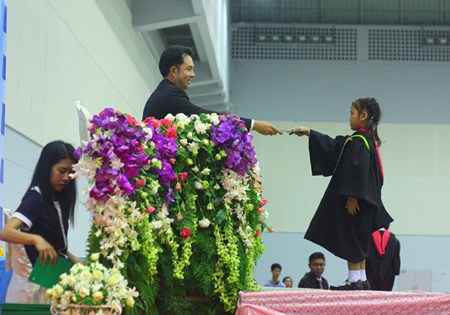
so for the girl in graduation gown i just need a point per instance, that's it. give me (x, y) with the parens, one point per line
(351, 208)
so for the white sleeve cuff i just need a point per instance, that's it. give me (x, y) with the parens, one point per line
(27, 224)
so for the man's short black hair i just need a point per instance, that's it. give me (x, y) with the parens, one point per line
(275, 266)
(316, 255)
(173, 56)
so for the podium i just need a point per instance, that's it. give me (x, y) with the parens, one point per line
(325, 302)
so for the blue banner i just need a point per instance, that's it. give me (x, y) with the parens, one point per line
(3, 23)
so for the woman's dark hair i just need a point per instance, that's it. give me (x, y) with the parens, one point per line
(374, 112)
(51, 154)
(173, 56)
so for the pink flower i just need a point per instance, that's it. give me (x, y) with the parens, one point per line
(150, 209)
(155, 123)
(263, 203)
(165, 122)
(185, 233)
(178, 186)
(180, 217)
(131, 120)
(257, 233)
(271, 230)
(260, 210)
(139, 183)
(172, 161)
(146, 120)
(172, 132)
(183, 176)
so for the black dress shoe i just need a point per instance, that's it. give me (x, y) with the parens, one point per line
(366, 285)
(348, 286)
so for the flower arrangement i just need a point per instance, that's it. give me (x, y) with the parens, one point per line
(177, 207)
(92, 285)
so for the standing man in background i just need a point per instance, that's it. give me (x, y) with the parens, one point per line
(383, 263)
(177, 68)
(275, 282)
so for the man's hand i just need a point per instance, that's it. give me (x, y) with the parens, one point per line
(265, 128)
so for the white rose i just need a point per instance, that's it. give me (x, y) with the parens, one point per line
(97, 275)
(170, 117)
(214, 118)
(83, 292)
(200, 127)
(204, 223)
(95, 256)
(182, 117)
(130, 301)
(148, 131)
(183, 142)
(97, 296)
(85, 275)
(113, 281)
(206, 171)
(157, 225)
(193, 146)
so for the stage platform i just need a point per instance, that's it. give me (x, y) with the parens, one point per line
(325, 302)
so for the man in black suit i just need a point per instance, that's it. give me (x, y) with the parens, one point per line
(177, 68)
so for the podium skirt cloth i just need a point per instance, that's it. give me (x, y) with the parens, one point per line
(20, 290)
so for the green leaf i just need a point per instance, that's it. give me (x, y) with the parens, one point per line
(221, 216)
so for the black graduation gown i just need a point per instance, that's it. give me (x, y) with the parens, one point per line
(354, 173)
(382, 269)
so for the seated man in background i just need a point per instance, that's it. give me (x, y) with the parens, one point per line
(313, 279)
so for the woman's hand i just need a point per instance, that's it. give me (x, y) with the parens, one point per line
(46, 251)
(11, 233)
(352, 205)
(75, 259)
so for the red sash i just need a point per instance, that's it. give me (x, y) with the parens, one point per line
(381, 241)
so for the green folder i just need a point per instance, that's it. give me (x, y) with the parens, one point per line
(48, 276)
(24, 309)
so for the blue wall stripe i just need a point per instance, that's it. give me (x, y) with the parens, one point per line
(5, 16)
(2, 164)
(4, 68)
(2, 122)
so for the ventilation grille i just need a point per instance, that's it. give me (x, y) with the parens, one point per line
(407, 45)
(245, 44)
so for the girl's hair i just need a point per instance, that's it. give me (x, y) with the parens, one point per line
(373, 110)
(51, 154)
